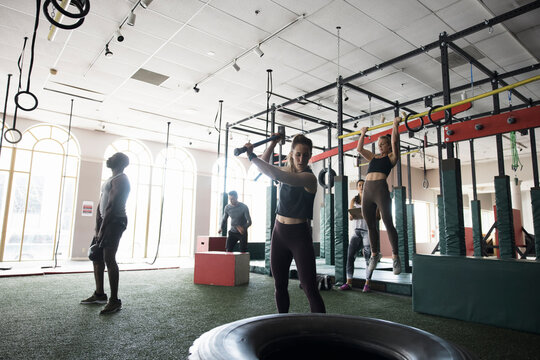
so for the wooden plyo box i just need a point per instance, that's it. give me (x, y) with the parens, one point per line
(221, 268)
(210, 243)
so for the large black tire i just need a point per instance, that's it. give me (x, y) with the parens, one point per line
(320, 336)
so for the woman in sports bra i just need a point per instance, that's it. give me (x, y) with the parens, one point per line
(291, 237)
(376, 194)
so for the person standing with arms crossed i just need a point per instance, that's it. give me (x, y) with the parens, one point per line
(240, 221)
(291, 237)
(376, 194)
(111, 221)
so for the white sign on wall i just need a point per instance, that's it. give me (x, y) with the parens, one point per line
(87, 208)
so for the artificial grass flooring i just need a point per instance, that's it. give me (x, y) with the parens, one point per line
(164, 312)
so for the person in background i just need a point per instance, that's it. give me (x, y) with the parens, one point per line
(240, 221)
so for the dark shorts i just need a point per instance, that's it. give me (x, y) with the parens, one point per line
(112, 233)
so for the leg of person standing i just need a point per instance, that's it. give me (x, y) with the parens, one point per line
(354, 245)
(280, 262)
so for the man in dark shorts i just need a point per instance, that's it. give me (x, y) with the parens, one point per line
(240, 221)
(111, 221)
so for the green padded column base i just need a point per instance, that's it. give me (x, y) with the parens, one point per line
(442, 236)
(453, 207)
(496, 292)
(535, 201)
(411, 231)
(322, 225)
(505, 218)
(329, 230)
(400, 195)
(341, 228)
(476, 217)
(271, 204)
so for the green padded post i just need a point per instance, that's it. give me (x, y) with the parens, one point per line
(341, 228)
(535, 201)
(411, 231)
(476, 227)
(271, 204)
(224, 202)
(505, 218)
(400, 196)
(440, 212)
(453, 207)
(329, 230)
(322, 224)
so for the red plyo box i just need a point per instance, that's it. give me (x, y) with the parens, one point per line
(221, 268)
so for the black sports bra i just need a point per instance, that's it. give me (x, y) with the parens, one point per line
(382, 165)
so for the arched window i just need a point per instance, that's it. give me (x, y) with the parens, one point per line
(134, 240)
(235, 181)
(255, 198)
(176, 185)
(41, 187)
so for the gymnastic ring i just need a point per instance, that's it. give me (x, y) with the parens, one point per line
(57, 24)
(16, 138)
(31, 95)
(79, 4)
(320, 336)
(439, 122)
(415, 129)
(321, 180)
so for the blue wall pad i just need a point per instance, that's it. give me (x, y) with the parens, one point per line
(496, 292)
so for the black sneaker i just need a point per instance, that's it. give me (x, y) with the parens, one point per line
(112, 307)
(95, 299)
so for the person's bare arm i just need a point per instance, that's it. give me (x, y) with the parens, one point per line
(351, 206)
(395, 142)
(366, 154)
(304, 179)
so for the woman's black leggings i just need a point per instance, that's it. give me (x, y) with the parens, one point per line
(288, 242)
(375, 196)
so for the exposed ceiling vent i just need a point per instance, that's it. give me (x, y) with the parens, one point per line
(149, 77)
(455, 60)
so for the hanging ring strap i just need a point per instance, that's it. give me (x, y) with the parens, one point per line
(406, 119)
(80, 7)
(34, 101)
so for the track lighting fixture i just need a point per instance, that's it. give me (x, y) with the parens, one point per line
(355, 125)
(131, 19)
(108, 53)
(145, 3)
(196, 89)
(119, 36)
(257, 50)
(235, 66)
(345, 98)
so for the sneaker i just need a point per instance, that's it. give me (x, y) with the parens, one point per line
(396, 266)
(366, 288)
(345, 287)
(95, 299)
(111, 307)
(373, 262)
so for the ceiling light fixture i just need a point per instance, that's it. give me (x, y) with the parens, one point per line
(119, 36)
(108, 52)
(145, 3)
(257, 50)
(196, 89)
(131, 19)
(235, 66)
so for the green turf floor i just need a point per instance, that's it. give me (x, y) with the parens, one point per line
(164, 312)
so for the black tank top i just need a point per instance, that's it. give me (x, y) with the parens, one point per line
(295, 201)
(382, 165)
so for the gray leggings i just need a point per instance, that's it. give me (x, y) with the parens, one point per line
(375, 196)
(358, 240)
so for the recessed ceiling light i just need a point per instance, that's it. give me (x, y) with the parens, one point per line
(211, 53)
